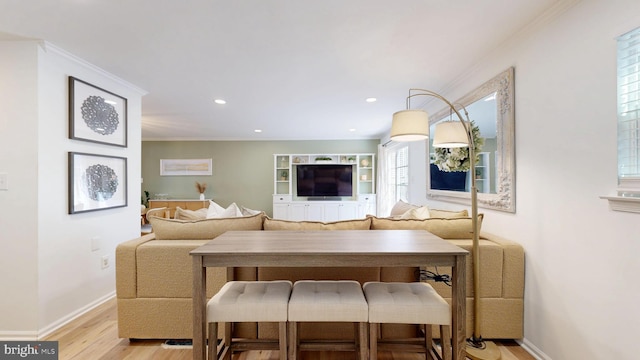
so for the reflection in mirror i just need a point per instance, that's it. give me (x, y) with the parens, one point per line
(490, 109)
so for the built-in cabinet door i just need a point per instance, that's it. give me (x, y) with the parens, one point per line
(298, 212)
(331, 212)
(338, 211)
(281, 211)
(315, 212)
(323, 211)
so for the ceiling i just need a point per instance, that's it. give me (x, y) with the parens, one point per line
(297, 70)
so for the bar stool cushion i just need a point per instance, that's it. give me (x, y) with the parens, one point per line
(320, 301)
(250, 301)
(406, 303)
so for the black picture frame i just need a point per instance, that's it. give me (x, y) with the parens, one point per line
(96, 182)
(96, 115)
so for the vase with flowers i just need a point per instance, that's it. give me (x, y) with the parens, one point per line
(202, 187)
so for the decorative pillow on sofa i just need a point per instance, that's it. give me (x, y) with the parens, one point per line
(400, 208)
(356, 224)
(422, 212)
(185, 214)
(448, 214)
(172, 229)
(248, 212)
(217, 211)
(455, 228)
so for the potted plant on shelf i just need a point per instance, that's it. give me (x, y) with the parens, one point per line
(323, 160)
(283, 176)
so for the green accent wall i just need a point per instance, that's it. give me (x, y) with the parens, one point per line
(242, 170)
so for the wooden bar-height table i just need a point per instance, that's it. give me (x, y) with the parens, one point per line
(333, 248)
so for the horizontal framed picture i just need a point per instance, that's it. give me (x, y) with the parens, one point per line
(96, 182)
(96, 115)
(185, 167)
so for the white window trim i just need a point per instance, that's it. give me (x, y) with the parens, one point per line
(625, 203)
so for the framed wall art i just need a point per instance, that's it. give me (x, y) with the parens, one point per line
(185, 167)
(96, 115)
(96, 182)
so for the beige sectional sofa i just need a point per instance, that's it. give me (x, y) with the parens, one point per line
(153, 276)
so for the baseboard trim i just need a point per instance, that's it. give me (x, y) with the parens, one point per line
(533, 350)
(49, 329)
(18, 335)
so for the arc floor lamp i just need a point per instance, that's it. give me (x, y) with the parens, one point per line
(412, 125)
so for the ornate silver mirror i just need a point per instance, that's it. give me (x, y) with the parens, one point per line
(491, 109)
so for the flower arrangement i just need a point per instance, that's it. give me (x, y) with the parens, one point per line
(202, 187)
(457, 159)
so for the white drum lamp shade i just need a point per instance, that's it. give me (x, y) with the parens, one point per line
(450, 134)
(410, 125)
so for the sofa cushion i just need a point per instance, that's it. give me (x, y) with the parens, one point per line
(448, 214)
(356, 224)
(491, 269)
(186, 214)
(455, 228)
(172, 229)
(163, 269)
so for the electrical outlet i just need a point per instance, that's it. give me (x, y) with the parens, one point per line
(105, 261)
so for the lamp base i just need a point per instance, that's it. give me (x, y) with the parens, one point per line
(482, 350)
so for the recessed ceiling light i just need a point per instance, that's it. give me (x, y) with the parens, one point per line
(257, 130)
(219, 101)
(371, 99)
(352, 130)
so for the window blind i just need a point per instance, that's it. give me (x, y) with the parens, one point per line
(629, 112)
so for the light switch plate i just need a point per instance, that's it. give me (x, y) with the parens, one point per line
(4, 181)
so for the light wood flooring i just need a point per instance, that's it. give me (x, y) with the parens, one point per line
(95, 336)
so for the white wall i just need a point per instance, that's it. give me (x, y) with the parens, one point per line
(63, 274)
(18, 205)
(581, 289)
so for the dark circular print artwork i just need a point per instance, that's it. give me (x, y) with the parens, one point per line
(102, 182)
(99, 116)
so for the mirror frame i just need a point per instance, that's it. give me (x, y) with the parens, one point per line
(504, 198)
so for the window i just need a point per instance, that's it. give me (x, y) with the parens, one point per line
(628, 195)
(402, 174)
(629, 114)
(395, 176)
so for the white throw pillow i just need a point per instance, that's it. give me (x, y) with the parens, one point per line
(233, 211)
(217, 211)
(417, 213)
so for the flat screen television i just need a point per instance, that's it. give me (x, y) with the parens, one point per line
(324, 180)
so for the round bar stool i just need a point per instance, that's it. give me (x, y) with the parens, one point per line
(407, 303)
(248, 301)
(328, 301)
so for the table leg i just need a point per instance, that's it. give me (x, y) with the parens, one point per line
(199, 304)
(458, 311)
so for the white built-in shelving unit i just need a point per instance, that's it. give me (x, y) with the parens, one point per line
(288, 206)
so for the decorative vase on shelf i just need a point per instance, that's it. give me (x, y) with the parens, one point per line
(202, 196)
(364, 162)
